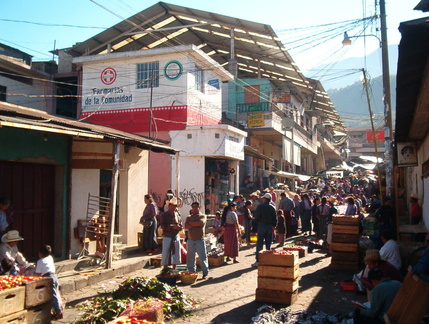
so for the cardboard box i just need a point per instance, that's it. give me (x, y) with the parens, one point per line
(12, 300)
(271, 259)
(288, 285)
(278, 272)
(302, 252)
(345, 229)
(276, 296)
(38, 292)
(16, 318)
(39, 314)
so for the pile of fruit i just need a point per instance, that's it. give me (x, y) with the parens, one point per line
(134, 320)
(7, 282)
(277, 252)
(294, 247)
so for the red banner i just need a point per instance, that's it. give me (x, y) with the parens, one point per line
(379, 136)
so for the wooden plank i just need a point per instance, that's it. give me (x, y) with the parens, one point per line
(39, 314)
(345, 220)
(411, 302)
(344, 247)
(302, 251)
(345, 229)
(279, 272)
(288, 285)
(15, 318)
(38, 292)
(345, 238)
(285, 260)
(345, 256)
(12, 300)
(276, 296)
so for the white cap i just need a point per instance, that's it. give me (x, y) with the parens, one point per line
(267, 196)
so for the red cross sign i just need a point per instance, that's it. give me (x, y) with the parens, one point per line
(108, 76)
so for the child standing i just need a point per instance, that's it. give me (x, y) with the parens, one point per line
(45, 267)
(281, 227)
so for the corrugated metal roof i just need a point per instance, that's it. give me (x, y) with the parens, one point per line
(257, 47)
(21, 117)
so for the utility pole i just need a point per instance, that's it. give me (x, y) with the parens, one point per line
(388, 131)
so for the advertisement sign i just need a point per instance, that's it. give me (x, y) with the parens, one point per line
(281, 97)
(255, 119)
(407, 154)
(379, 136)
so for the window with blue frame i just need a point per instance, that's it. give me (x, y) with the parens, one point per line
(148, 75)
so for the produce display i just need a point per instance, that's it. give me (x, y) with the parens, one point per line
(167, 272)
(134, 320)
(7, 282)
(102, 309)
(276, 252)
(295, 247)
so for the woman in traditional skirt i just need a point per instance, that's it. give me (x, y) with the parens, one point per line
(148, 220)
(231, 232)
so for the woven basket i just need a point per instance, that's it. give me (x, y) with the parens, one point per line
(188, 277)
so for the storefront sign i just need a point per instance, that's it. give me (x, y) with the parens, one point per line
(234, 146)
(255, 119)
(407, 154)
(281, 97)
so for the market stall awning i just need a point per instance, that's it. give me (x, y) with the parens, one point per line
(292, 175)
(248, 150)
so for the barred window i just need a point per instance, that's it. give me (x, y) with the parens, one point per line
(198, 74)
(147, 75)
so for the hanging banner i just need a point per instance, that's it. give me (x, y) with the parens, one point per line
(379, 136)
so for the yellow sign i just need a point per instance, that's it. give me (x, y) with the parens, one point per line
(255, 119)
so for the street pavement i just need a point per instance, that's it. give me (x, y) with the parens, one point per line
(228, 295)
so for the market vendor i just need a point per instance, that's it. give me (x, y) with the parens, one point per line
(421, 268)
(9, 250)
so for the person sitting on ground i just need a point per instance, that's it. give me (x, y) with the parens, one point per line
(383, 294)
(45, 267)
(9, 250)
(421, 268)
(390, 250)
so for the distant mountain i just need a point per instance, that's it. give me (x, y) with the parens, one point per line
(348, 94)
(352, 104)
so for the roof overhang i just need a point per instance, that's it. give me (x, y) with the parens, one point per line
(248, 150)
(32, 119)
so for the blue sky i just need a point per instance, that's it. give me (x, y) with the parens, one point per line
(283, 15)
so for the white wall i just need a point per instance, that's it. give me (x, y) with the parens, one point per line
(83, 182)
(192, 181)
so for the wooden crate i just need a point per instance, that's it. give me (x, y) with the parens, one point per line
(345, 220)
(271, 259)
(38, 292)
(345, 229)
(39, 314)
(288, 285)
(344, 247)
(345, 238)
(345, 256)
(16, 318)
(216, 261)
(278, 272)
(302, 252)
(276, 296)
(156, 261)
(12, 300)
(344, 265)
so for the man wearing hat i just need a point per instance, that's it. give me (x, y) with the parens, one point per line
(171, 224)
(9, 250)
(415, 209)
(266, 217)
(373, 260)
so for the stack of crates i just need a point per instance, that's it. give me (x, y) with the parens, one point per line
(30, 303)
(345, 242)
(278, 277)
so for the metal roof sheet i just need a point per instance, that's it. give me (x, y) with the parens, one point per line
(18, 116)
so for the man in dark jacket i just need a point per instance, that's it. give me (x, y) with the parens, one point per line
(265, 215)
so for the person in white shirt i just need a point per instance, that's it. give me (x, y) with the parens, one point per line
(9, 250)
(390, 250)
(45, 267)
